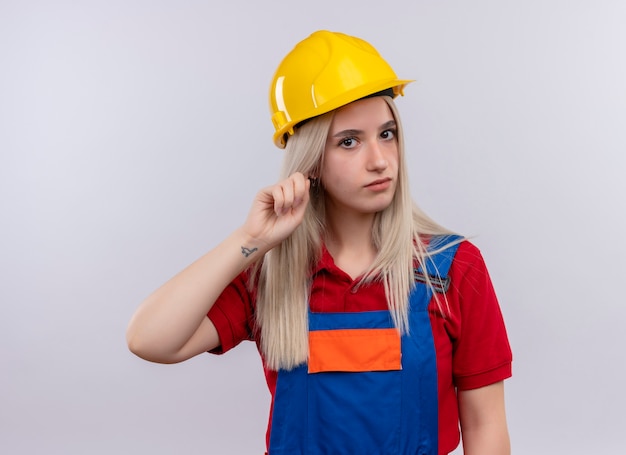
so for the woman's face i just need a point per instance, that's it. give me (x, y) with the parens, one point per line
(360, 166)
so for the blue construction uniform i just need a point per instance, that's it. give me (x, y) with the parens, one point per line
(391, 410)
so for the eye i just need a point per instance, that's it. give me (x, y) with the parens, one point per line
(388, 134)
(348, 142)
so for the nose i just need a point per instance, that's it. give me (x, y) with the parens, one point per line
(377, 161)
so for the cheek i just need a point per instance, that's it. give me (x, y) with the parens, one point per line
(333, 180)
(334, 169)
(394, 158)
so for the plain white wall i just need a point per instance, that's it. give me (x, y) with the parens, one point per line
(133, 135)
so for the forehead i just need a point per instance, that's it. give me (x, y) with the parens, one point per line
(362, 114)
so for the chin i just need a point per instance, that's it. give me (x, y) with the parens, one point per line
(379, 207)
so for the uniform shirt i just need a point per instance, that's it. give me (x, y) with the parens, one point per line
(470, 337)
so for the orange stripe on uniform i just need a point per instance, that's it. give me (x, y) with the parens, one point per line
(354, 350)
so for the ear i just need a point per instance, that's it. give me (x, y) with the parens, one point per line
(314, 175)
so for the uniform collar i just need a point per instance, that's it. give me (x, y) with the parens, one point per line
(325, 262)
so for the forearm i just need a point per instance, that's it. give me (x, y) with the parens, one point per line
(490, 439)
(483, 421)
(171, 325)
(168, 318)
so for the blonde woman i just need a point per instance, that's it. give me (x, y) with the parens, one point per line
(379, 330)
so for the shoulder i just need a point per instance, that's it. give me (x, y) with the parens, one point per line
(469, 252)
(471, 292)
(466, 257)
(470, 284)
(468, 260)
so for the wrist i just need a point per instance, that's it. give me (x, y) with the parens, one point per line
(249, 247)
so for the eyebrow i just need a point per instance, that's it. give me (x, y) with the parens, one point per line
(350, 132)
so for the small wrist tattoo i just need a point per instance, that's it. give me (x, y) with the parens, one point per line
(247, 251)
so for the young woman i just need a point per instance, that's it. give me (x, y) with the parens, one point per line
(379, 330)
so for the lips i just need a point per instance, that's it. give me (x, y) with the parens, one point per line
(379, 185)
(378, 182)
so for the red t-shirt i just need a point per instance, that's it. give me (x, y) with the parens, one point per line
(471, 341)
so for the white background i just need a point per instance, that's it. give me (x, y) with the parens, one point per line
(133, 135)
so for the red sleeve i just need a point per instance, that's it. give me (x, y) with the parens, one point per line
(233, 314)
(481, 354)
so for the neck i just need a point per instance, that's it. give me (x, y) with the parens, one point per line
(349, 241)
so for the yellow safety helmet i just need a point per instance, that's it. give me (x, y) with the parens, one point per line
(325, 71)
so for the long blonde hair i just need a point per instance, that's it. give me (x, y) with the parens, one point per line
(284, 277)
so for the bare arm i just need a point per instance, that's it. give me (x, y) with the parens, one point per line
(163, 327)
(483, 421)
(171, 324)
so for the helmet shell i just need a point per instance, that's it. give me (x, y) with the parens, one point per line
(323, 72)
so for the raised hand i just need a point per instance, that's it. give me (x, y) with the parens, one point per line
(276, 212)
(163, 329)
